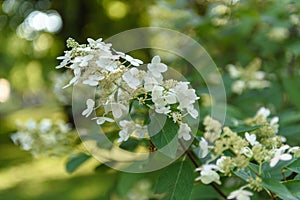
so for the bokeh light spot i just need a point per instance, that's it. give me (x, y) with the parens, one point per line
(43, 42)
(4, 90)
(116, 9)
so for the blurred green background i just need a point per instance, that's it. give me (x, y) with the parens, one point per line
(33, 34)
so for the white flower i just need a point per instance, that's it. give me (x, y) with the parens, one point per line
(184, 131)
(66, 60)
(294, 149)
(102, 120)
(98, 44)
(192, 111)
(157, 92)
(163, 110)
(63, 127)
(90, 106)
(162, 98)
(264, 112)
(203, 148)
(240, 194)
(278, 33)
(127, 128)
(77, 74)
(280, 155)
(124, 135)
(118, 109)
(133, 61)
(107, 63)
(233, 72)
(45, 125)
(130, 127)
(93, 80)
(130, 77)
(220, 9)
(185, 96)
(251, 139)
(208, 175)
(274, 121)
(156, 67)
(84, 61)
(140, 131)
(238, 86)
(94, 43)
(31, 125)
(220, 163)
(24, 139)
(259, 75)
(247, 152)
(150, 81)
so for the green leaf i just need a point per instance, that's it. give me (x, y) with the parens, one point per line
(126, 182)
(294, 187)
(279, 189)
(276, 172)
(295, 166)
(291, 85)
(205, 192)
(163, 134)
(246, 173)
(243, 129)
(176, 181)
(289, 117)
(75, 161)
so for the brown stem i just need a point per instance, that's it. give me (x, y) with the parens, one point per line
(283, 176)
(192, 158)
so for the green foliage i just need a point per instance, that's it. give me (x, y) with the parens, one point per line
(279, 189)
(75, 161)
(243, 129)
(247, 31)
(176, 181)
(166, 138)
(293, 187)
(294, 166)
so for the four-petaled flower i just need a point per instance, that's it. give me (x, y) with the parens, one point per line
(101, 120)
(184, 131)
(208, 174)
(156, 67)
(130, 77)
(93, 80)
(240, 194)
(280, 155)
(264, 112)
(251, 139)
(135, 62)
(90, 107)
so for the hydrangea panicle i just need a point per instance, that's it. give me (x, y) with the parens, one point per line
(44, 138)
(119, 81)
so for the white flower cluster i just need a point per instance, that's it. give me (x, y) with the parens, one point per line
(247, 78)
(278, 33)
(230, 152)
(47, 137)
(120, 81)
